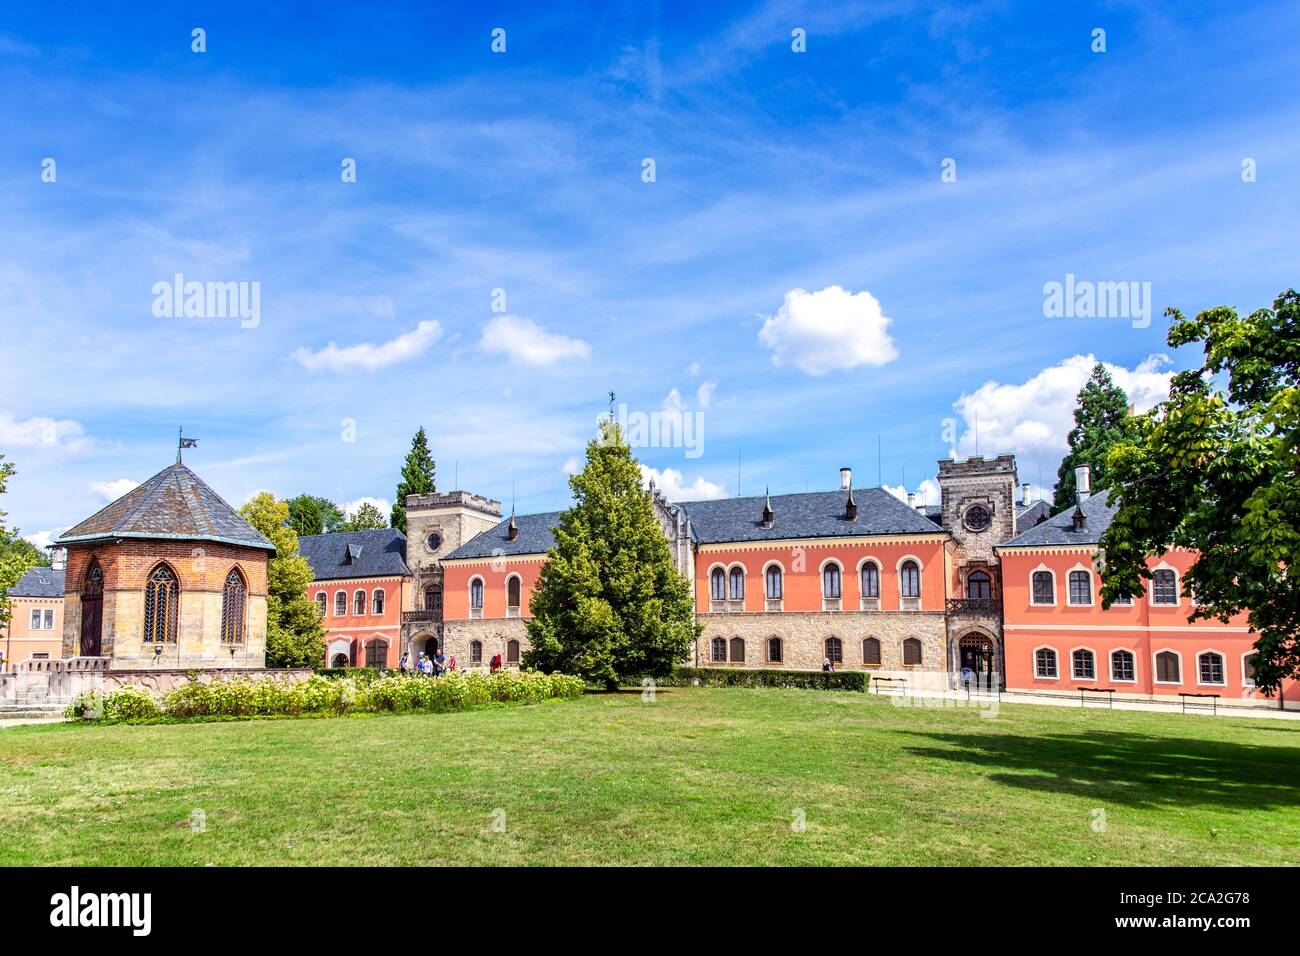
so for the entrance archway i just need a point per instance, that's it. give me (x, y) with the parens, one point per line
(422, 642)
(977, 652)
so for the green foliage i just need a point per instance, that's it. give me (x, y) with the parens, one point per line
(609, 602)
(1100, 422)
(310, 515)
(1216, 469)
(14, 561)
(294, 634)
(320, 695)
(417, 478)
(725, 677)
(366, 518)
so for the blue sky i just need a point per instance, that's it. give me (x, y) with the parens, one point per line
(522, 171)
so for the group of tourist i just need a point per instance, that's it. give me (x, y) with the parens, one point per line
(438, 664)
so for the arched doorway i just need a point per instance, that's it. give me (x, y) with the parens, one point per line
(339, 661)
(976, 652)
(428, 643)
(92, 611)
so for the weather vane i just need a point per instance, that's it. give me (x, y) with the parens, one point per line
(182, 443)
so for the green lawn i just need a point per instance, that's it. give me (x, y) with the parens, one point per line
(700, 776)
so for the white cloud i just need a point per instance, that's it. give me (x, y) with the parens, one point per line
(367, 356)
(527, 342)
(350, 509)
(571, 466)
(40, 432)
(704, 394)
(44, 539)
(693, 369)
(671, 482)
(1033, 419)
(927, 492)
(111, 490)
(820, 332)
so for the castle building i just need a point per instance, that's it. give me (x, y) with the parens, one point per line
(35, 628)
(169, 575)
(985, 586)
(362, 585)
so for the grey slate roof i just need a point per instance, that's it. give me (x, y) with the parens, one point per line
(375, 554)
(1059, 528)
(174, 505)
(39, 582)
(815, 514)
(1026, 518)
(534, 538)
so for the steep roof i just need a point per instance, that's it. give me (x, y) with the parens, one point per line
(1026, 518)
(815, 514)
(1059, 528)
(39, 582)
(356, 554)
(173, 505)
(534, 538)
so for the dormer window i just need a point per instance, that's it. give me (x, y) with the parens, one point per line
(352, 553)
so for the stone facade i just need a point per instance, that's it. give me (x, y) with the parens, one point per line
(201, 569)
(495, 634)
(803, 637)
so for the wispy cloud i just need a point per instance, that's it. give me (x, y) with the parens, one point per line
(367, 356)
(525, 341)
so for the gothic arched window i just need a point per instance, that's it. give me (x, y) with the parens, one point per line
(909, 580)
(717, 585)
(979, 586)
(233, 608)
(162, 594)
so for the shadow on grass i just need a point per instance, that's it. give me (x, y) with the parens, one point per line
(1131, 769)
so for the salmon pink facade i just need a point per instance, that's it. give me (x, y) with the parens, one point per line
(496, 589)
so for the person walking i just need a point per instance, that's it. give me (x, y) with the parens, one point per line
(406, 659)
(439, 664)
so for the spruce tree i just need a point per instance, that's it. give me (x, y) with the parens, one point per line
(610, 604)
(1100, 416)
(417, 478)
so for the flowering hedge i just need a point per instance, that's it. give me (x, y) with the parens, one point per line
(273, 696)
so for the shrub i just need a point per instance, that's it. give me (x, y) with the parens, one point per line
(124, 703)
(812, 680)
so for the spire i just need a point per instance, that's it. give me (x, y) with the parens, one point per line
(768, 514)
(512, 529)
(850, 508)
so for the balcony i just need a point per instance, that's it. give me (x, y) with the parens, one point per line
(422, 616)
(973, 606)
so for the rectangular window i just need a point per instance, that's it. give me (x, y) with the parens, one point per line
(1043, 590)
(36, 620)
(1044, 663)
(1211, 669)
(1121, 666)
(49, 620)
(1164, 588)
(1080, 587)
(1084, 666)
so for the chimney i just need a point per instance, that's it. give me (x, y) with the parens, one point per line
(512, 529)
(1024, 495)
(1082, 482)
(846, 479)
(769, 516)
(850, 508)
(911, 500)
(58, 559)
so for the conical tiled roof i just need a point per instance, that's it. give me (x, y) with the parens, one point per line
(173, 505)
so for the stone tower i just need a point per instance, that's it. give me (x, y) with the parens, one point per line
(979, 511)
(436, 525)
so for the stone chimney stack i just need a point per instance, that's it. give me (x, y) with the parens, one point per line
(846, 479)
(1083, 482)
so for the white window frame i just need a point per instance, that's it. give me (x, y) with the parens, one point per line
(736, 605)
(830, 603)
(518, 610)
(1155, 669)
(476, 613)
(383, 599)
(1093, 652)
(1246, 681)
(717, 605)
(1223, 666)
(909, 603)
(1110, 660)
(870, 603)
(1055, 590)
(34, 623)
(1069, 589)
(359, 593)
(1056, 656)
(769, 602)
(344, 612)
(1178, 585)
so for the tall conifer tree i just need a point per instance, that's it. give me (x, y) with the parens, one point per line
(417, 478)
(610, 604)
(1099, 425)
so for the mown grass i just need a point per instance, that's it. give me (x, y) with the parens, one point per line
(699, 776)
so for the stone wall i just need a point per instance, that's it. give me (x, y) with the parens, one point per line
(803, 639)
(63, 680)
(494, 633)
